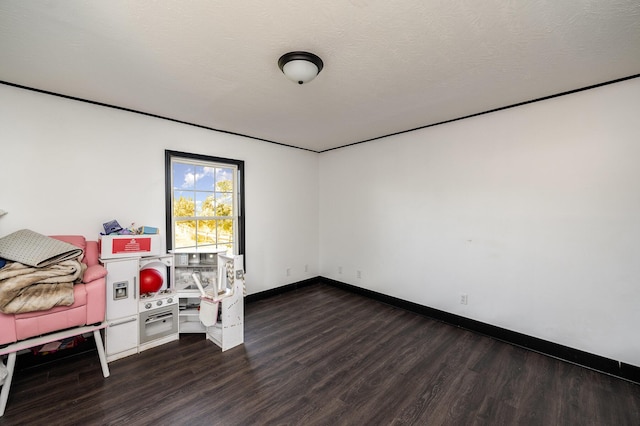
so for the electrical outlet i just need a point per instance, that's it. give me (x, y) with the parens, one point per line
(339, 269)
(358, 274)
(288, 272)
(306, 268)
(464, 298)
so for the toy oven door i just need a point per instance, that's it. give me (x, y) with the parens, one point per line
(158, 323)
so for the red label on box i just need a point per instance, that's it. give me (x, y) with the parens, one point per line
(133, 245)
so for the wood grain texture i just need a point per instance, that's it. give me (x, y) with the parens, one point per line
(320, 355)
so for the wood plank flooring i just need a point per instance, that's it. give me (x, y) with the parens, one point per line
(323, 356)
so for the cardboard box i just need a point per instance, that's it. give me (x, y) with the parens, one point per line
(115, 246)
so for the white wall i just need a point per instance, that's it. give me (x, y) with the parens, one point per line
(534, 212)
(66, 167)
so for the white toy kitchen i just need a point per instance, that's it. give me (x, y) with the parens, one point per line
(152, 299)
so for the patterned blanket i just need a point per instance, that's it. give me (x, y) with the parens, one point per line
(34, 249)
(25, 288)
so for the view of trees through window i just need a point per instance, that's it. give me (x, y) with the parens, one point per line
(204, 204)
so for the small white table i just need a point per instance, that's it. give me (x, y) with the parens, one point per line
(14, 348)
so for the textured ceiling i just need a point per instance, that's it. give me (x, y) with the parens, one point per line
(389, 66)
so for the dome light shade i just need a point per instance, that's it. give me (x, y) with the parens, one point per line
(301, 67)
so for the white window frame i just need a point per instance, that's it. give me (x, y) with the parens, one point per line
(172, 157)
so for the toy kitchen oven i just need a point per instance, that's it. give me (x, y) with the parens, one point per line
(142, 306)
(158, 305)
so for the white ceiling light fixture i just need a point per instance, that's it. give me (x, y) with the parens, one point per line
(301, 67)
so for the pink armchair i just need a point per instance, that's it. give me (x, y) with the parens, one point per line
(88, 307)
(85, 315)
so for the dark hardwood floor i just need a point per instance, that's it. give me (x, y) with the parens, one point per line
(324, 356)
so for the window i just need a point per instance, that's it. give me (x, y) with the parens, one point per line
(204, 202)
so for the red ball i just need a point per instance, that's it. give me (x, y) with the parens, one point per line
(150, 280)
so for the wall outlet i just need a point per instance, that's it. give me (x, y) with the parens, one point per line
(288, 272)
(339, 269)
(306, 268)
(464, 298)
(358, 274)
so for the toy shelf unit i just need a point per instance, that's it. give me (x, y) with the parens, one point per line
(228, 331)
(211, 268)
(203, 263)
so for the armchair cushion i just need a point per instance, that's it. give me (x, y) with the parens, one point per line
(93, 273)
